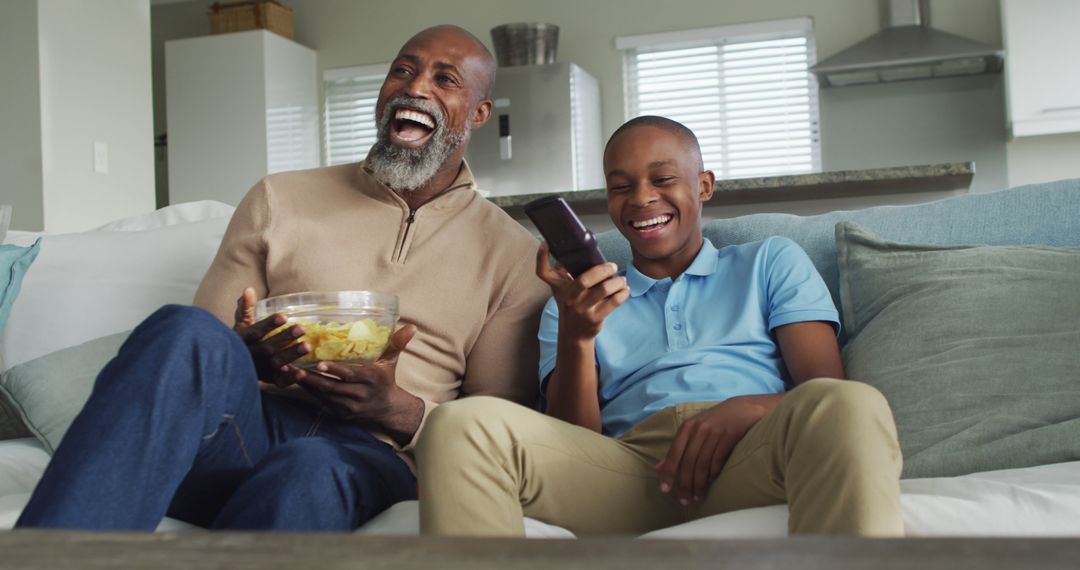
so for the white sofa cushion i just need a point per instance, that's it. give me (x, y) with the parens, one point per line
(403, 519)
(1031, 501)
(87, 285)
(172, 215)
(22, 461)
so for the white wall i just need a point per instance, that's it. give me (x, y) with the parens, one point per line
(350, 33)
(862, 127)
(95, 87)
(20, 114)
(918, 122)
(347, 33)
(169, 22)
(1044, 158)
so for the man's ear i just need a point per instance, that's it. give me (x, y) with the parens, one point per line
(707, 181)
(481, 114)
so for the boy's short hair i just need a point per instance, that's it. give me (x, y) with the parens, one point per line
(674, 127)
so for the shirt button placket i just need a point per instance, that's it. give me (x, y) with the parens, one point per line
(665, 288)
(675, 316)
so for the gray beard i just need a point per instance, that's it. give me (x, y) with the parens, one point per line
(406, 169)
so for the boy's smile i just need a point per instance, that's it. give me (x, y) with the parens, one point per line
(652, 225)
(655, 189)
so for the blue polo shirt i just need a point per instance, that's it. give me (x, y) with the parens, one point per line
(705, 336)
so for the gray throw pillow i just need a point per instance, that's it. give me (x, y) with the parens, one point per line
(976, 348)
(11, 425)
(49, 391)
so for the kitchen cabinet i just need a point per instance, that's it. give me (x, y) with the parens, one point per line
(1042, 66)
(239, 106)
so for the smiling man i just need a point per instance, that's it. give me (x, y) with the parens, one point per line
(698, 381)
(179, 422)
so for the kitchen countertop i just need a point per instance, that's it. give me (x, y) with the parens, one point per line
(810, 186)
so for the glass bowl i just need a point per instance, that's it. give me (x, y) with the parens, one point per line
(340, 326)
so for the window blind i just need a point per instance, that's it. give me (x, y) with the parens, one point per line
(746, 92)
(291, 138)
(349, 111)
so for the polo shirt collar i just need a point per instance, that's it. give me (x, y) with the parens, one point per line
(704, 264)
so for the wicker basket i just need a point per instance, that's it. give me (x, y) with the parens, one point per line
(251, 15)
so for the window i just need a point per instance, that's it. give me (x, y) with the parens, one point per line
(349, 111)
(746, 91)
(292, 135)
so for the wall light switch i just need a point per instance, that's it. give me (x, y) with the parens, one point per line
(101, 158)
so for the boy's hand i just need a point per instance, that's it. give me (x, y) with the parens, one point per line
(584, 302)
(703, 443)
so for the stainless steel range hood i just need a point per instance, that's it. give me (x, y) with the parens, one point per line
(907, 48)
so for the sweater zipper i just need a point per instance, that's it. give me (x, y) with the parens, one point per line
(405, 236)
(398, 258)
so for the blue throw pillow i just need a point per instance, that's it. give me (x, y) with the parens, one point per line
(14, 261)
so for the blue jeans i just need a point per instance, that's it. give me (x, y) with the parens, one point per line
(176, 425)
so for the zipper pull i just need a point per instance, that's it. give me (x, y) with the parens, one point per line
(412, 216)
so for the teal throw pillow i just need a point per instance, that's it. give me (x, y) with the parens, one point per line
(14, 261)
(976, 348)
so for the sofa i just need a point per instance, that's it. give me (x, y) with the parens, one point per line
(964, 312)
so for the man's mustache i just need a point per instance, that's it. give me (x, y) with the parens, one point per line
(412, 103)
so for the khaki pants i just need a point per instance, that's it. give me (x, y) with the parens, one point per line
(829, 450)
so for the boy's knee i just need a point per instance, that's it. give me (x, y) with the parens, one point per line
(463, 422)
(841, 396)
(838, 410)
(461, 415)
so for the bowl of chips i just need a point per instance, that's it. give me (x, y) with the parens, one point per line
(340, 326)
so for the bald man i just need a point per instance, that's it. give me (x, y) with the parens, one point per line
(203, 419)
(699, 380)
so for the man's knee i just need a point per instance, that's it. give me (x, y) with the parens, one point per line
(183, 327)
(179, 334)
(184, 316)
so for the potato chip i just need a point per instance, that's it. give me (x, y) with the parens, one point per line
(360, 341)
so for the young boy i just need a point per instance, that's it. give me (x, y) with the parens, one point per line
(673, 380)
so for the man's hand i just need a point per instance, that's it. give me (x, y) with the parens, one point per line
(270, 355)
(704, 442)
(368, 392)
(584, 302)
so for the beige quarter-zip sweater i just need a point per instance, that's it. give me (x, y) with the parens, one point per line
(462, 268)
